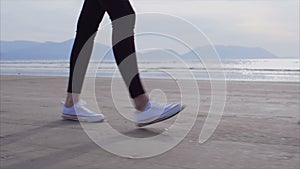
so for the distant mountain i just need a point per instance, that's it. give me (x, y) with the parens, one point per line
(28, 50)
(231, 52)
(158, 55)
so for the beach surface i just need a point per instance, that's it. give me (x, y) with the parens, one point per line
(259, 128)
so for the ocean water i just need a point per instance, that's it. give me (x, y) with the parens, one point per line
(283, 70)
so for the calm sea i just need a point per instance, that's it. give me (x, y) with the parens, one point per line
(284, 70)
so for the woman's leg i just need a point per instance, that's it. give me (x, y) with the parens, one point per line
(88, 23)
(123, 21)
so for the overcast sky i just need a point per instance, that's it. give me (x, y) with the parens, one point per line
(271, 24)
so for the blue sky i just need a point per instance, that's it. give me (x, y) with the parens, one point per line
(271, 24)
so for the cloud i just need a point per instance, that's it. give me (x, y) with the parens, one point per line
(268, 24)
(38, 20)
(255, 23)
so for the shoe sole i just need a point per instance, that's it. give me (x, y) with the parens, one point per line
(160, 119)
(81, 119)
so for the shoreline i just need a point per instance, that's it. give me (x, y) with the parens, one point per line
(233, 70)
(152, 78)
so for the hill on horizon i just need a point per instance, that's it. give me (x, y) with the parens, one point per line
(30, 50)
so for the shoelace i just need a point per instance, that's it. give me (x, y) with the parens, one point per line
(80, 105)
(152, 104)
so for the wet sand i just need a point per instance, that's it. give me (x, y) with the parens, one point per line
(259, 128)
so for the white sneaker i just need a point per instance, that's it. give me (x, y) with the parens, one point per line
(80, 113)
(155, 112)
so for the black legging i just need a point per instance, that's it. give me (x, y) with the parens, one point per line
(91, 15)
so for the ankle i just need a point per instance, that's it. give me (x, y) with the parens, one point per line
(140, 102)
(69, 104)
(71, 99)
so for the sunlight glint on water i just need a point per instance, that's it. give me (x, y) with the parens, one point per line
(286, 70)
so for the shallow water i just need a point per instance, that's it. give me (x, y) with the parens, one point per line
(285, 70)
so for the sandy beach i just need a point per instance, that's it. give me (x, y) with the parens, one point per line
(259, 128)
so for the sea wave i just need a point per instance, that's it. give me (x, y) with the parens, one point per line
(258, 70)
